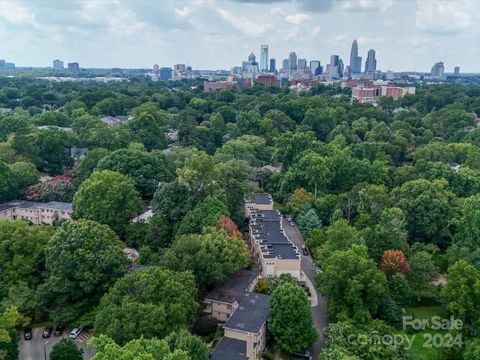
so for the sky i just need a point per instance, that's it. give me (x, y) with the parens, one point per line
(408, 35)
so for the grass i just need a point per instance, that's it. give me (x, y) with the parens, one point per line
(419, 349)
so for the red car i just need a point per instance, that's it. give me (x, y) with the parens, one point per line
(47, 332)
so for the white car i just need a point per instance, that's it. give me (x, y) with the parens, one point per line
(75, 332)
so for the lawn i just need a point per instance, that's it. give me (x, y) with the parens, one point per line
(419, 349)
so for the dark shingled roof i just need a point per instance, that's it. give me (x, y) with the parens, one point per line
(263, 198)
(54, 205)
(230, 349)
(233, 288)
(251, 313)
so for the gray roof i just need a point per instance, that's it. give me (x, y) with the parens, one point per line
(234, 287)
(259, 198)
(23, 204)
(230, 349)
(251, 313)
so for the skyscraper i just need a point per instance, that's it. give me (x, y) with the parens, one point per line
(340, 67)
(371, 62)
(334, 67)
(165, 73)
(353, 54)
(437, 70)
(315, 67)
(273, 66)
(292, 60)
(357, 65)
(456, 71)
(285, 64)
(302, 64)
(264, 58)
(57, 64)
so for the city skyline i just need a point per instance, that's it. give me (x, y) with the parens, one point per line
(131, 34)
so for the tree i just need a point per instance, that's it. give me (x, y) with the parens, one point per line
(394, 262)
(467, 224)
(212, 256)
(25, 174)
(89, 164)
(422, 270)
(193, 345)
(51, 150)
(313, 170)
(353, 284)
(10, 319)
(389, 234)
(307, 221)
(155, 233)
(427, 206)
(290, 145)
(462, 293)
(172, 201)
(83, 259)
(205, 214)
(146, 169)
(275, 281)
(105, 348)
(150, 302)
(338, 236)
(109, 198)
(231, 229)
(59, 188)
(147, 131)
(66, 349)
(8, 186)
(292, 330)
(298, 199)
(22, 252)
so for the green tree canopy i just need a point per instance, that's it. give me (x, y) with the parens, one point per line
(66, 349)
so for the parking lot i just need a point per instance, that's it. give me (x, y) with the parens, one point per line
(39, 348)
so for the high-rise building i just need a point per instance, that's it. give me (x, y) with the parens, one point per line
(73, 66)
(273, 66)
(2, 64)
(179, 68)
(292, 61)
(155, 72)
(302, 64)
(252, 58)
(456, 71)
(371, 62)
(250, 67)
(285, 64)
(437, 70)
(315, 67)
(165, 73)
(340, 67)
(334, 67)
(264, 58)
(357, 65)
(57, 64)
(353, 54)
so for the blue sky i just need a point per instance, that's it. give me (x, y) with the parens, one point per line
(208, 34)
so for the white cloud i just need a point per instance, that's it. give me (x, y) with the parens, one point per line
(297, 18)
(367, 5)
(15, 12)
(246, 26)
(444, 17)
(183, 12)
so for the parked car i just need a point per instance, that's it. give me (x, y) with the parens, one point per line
(47, 331)
(75, 332)
(302, 355)
(59, 329)
(304, 250)
(27, 333)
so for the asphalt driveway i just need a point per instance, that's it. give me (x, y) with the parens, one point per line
(308, 267)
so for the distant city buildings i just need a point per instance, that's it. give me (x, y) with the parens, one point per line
(57, 64)
(292, 61)
(456, 71)
(4, 65)
(315, 67)
(73, 66)
(273, 68)
(438, 70)
(371, 62)
(250, 67)
(165, 74)
(369, 91)
(155, 72)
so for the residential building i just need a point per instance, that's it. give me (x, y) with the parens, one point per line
(264, 58)
(144, 217)
(171, 134)
(273, 68)
(371, 62)
(73, 66)
(57, 64)
(258, 201)
(35, 212)
(245, 332)
(224, 299)
(266, 79)
(437, 70)
(111, 120)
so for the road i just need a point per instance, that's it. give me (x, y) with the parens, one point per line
(320, 310)
(37, 348)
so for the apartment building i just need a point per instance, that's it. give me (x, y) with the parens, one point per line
(245, 334)
(258, 201)
(223, 300)
(35, 212)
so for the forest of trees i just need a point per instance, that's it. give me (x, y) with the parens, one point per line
(387, 198)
